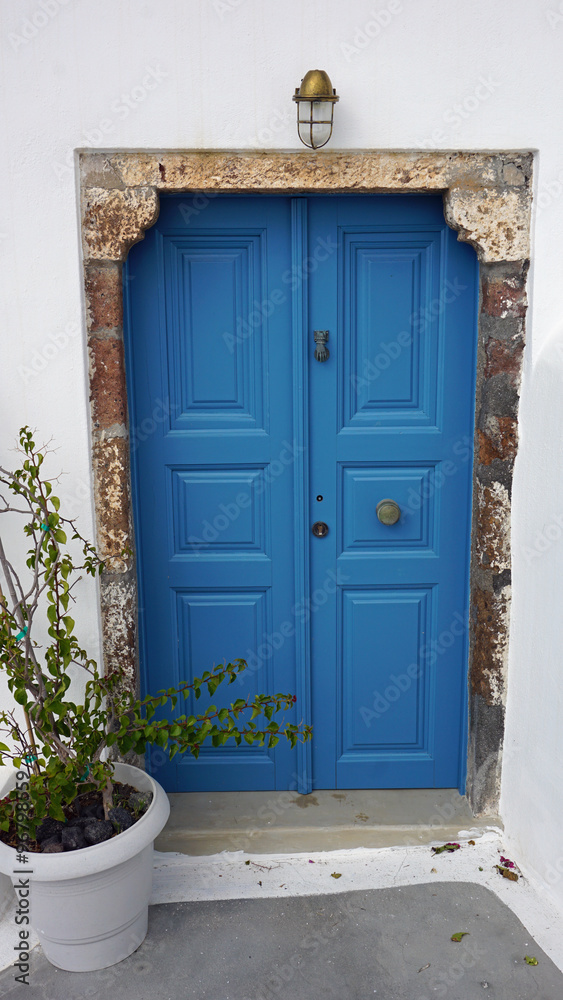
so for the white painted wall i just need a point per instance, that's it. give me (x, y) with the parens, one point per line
(220, 73)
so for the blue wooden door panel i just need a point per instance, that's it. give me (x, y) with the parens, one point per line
(212, 298)
(391, 417)
(213, 474)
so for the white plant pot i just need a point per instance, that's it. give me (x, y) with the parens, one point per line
(90, 907)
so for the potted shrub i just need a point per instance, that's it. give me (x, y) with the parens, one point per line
(76, 826)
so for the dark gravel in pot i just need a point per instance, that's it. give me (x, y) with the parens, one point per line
(121, 819)
(98, 830)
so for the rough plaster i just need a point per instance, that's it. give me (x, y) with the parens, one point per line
(487, 199)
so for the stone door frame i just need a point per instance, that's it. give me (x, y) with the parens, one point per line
(487, 200)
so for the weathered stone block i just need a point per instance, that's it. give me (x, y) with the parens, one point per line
(104, 298)
(493, 527)
(108, 394)
(111, 479)
(114, 220)
(118, 593)
(504, 356)
(505, 298)
(490, 624)
(499, 441)
(495, 222)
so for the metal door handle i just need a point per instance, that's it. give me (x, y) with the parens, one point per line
(388, 511)
(321, 352)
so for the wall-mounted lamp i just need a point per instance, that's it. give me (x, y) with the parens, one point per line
(315, 100)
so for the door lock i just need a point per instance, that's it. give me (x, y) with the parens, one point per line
(320, 529)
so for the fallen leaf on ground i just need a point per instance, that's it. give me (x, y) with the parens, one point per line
(311, 862)
(507, 873)
(530, 960)
(480, 869)
(459, 935)
(472, 842)
(424, 967)
(336, 875)
(450, 848)
(435, 870)
(247, 862)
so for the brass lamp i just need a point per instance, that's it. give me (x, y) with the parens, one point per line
(315, 100)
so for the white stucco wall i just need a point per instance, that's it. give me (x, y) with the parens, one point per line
(485, 74)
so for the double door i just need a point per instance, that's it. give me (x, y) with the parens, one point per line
(292, 364)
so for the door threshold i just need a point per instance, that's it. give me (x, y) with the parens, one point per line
(205, 823)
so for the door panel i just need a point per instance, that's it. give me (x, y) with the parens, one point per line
(391, 417)
(214, 477)
(215, 300)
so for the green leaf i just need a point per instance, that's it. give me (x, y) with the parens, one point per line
(336, 875)
(459, 935)
(530, 960)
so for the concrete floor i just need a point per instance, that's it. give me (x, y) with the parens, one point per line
(393, 944)
(269, 822)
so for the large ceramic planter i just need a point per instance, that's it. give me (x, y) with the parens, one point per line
(89, 908)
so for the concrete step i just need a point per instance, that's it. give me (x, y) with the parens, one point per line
(203, 823)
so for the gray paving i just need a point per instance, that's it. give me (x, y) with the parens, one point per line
(382, 944)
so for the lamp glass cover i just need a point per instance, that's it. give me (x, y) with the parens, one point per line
(319, 113)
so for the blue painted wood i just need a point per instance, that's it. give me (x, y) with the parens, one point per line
(210, 376)
(237, 431)
(391, 416)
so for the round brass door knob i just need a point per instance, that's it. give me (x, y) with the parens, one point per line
(388, 511)
(320, 529)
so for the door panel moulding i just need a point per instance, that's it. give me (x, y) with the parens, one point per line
(487, 200)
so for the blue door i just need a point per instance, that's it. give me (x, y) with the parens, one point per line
(243, 441)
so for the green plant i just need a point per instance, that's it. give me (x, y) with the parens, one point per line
(63, 745)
